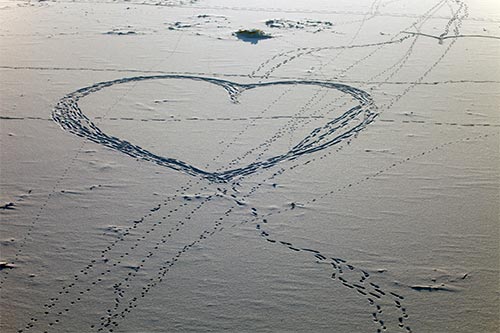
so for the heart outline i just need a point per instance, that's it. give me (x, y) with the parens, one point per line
(70, 117)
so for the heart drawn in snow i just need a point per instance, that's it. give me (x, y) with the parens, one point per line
(70, 117)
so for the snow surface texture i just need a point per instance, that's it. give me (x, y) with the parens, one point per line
(161, 173)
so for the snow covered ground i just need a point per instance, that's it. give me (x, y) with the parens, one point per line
(161, 173)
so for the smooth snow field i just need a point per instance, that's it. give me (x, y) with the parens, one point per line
(250, 166)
